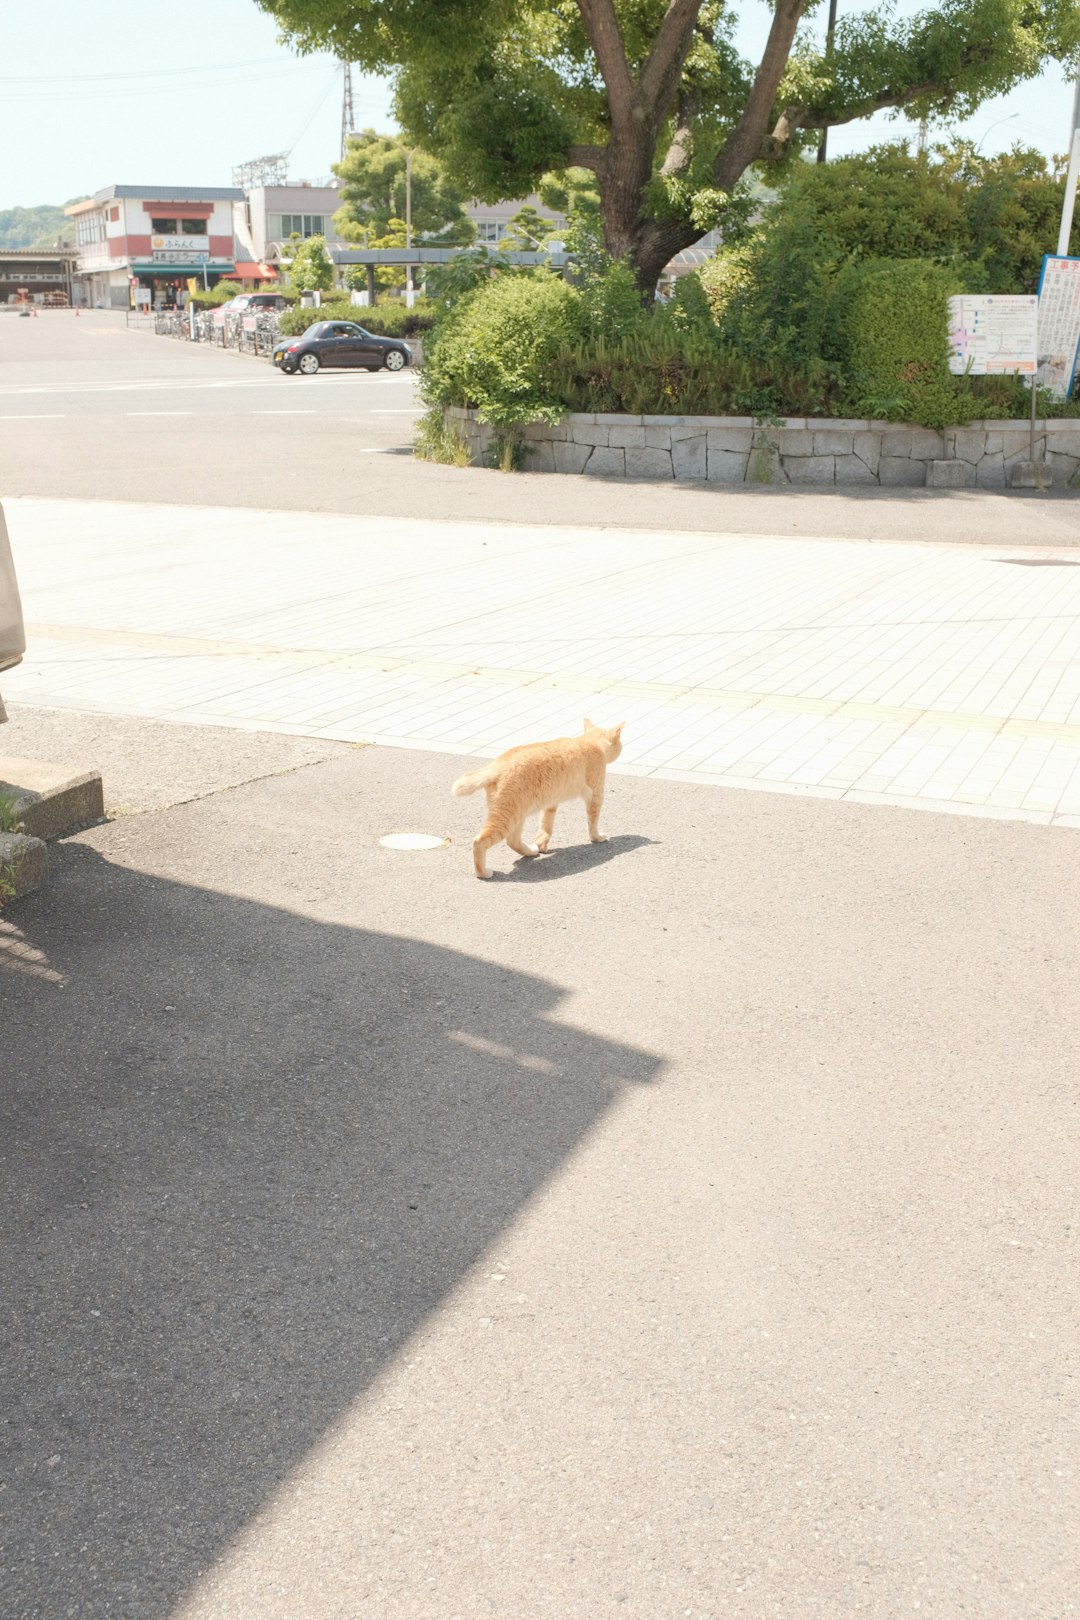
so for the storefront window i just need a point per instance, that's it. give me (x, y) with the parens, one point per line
(164, 227)
(193, 227)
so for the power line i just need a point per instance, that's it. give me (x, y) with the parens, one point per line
(138, 73)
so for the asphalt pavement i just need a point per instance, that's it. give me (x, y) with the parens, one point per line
(93, 408)
(678, 1226)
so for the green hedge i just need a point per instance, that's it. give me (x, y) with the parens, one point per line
(494, 349)
(888, 322)
(391, 318)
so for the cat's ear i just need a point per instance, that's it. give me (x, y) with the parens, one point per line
(615, 732)
(587, 725)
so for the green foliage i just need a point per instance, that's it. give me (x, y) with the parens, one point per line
(391, 318)
(213, 297)
(374, 189)
(890, 331)
(989, 219)
(777, 305)
(659, 369)
(611, 299)
(40, 227)
(439, 440)
(493, 349)
(447, 284)
(510, 95)
(311, 269)
(526, 231)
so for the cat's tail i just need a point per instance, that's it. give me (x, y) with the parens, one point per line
(472, 781)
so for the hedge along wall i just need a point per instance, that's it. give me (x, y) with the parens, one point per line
(736, 450)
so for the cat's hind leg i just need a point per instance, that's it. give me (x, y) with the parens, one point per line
(488, 835)
(547, 827)
(514, 839)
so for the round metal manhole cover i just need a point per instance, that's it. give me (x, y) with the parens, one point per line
(411, 840)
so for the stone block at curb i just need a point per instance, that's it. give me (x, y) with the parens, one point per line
(851, 470)
(688, 457)
(571, 458)
(867, 447)
(948, 474)
(646, 463)
(1030, 475)
(737, 440)
(810, 469)
(50, 800)
(1064, 468)
(726, 466)
(24, 865)
(828, 442)
(900, 472)
(604, 463)
(990, 473)
(922, 443)
(811, 452)
(539, 456)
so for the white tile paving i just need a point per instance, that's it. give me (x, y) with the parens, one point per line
(938, 677)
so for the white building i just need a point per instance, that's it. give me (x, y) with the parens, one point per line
(154, 237)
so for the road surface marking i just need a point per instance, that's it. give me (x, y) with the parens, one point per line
(34, 416)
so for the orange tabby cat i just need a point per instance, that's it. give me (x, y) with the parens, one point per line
(540, 776)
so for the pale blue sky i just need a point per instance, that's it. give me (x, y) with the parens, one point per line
(176, 95)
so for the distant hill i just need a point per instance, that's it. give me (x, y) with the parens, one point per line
(36, 227)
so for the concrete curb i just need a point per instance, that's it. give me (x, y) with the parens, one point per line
(51, 800)
(24, 865)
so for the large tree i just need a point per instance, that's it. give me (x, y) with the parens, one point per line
(653, 97)
(376, 175)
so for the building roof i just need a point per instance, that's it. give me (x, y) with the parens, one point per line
(177, 194)
(39, 253)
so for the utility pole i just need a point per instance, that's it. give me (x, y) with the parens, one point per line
(829, 32)
(408, 227)
(348, 119)
(1072, 174)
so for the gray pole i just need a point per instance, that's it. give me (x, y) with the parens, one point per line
(1071, 176)
(829, 32)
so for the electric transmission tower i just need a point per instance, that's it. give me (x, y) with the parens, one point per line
(348, 119)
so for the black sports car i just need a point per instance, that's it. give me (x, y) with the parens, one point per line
(340, 343)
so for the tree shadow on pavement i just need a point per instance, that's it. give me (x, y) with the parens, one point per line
(246, 1154)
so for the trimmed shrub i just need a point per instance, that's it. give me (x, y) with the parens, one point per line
(889, 328)
(389, 319)
(494, 349)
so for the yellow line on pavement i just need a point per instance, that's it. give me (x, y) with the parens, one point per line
(677, 696)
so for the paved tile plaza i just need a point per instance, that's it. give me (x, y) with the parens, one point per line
(934, 676)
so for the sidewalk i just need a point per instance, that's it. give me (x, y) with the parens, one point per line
(938, 677)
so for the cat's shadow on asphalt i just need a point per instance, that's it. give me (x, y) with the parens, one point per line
(563, 861)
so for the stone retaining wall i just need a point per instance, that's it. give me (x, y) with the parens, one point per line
(735, 450)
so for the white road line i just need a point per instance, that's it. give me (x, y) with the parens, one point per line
(34, 416)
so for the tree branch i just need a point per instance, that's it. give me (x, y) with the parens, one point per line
(794, 118)
(586, 157)
(744, 143)
(602, 27)
(659, 78)
(680, 151)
